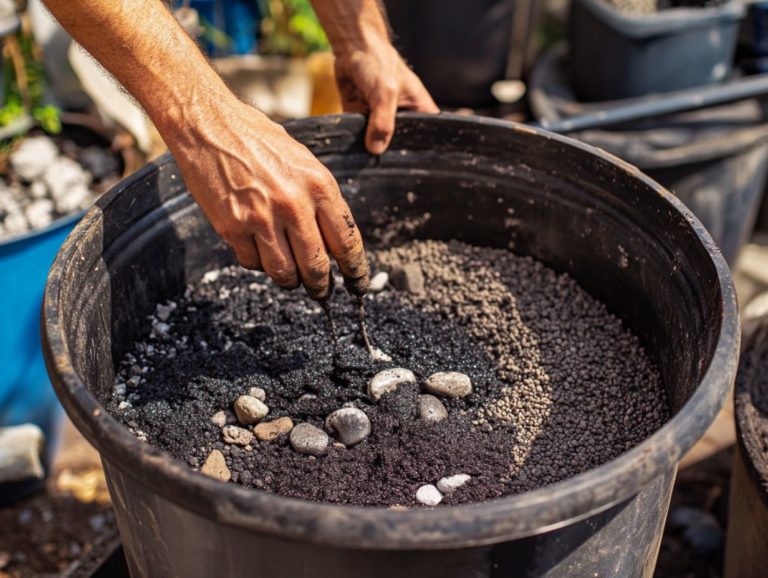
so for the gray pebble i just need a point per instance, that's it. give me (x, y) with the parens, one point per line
(379, 281)
(250, 410)
(431, 408)
(389, 380)
(450, 484)
(258, 393)
(237, 435)
(350, 424)
(429, 495)
(449, 384)
(307, 439)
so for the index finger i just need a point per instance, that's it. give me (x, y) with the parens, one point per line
(345, 243)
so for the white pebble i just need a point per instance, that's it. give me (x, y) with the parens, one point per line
(450, 484)
(449, 384)
(429, 495)
(163, 312)
(378, 355)
(222, 418)
(211, 276)
(258, 393)
(379, 281)
(250, 410)
(350, 424)
(388, 381)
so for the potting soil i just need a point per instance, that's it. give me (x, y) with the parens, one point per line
(559, 385)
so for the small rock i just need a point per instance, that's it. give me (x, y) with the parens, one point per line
(268, 431)
(237, 435)
(38, 190)
(215, 466)
(33, 156)
(307, 439)
(409, 278)
(250, 410)
(378, 355)
(429, 495)
(160, 329)
(350, 424)
(20, 451)
(224, 417)
(431, 408)
(449, 384)
(379, 281)
(258, 393)
(450, 484)
(388, 381)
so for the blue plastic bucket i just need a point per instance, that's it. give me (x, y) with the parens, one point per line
(26, 395)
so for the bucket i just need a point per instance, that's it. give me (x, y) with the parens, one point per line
(715, 160)
(26, 395)
(745, 554)
(626, 240)
(618, 54)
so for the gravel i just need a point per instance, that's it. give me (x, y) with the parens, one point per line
(51, 178)
(559, 386)
(250, 410)
(215, 466)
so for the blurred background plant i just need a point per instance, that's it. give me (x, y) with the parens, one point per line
(290, 28)
(24, 84)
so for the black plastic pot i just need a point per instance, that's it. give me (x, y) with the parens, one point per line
(624, 238)
(746, 555)
(458, 49)
(616, 54)
(715, 159)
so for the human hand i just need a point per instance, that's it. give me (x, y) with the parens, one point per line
(377, 80)
(270, 199)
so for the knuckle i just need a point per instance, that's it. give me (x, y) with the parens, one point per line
(284, 275)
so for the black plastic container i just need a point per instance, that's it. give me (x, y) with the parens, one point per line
(615, 55)
(746, 555)
(458, 49)
(715, 159)
(624, 238)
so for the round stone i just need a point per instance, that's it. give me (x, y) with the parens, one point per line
(431, 408)
(268, 431)
(429, 495)
(379, 281)
(236, 435)
(215, 466)
(258, 393)
(388, 381)
(307, 439)
(450, 484)
(350, 425)
(250, 410)
(449, 384)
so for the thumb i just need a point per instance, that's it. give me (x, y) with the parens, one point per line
(381, 124)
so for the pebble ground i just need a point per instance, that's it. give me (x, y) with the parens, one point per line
(559, 385)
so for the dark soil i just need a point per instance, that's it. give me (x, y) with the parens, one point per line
(559, 385)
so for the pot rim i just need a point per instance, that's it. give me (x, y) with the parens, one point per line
(378, 528)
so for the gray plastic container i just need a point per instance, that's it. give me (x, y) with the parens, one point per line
(615, 55)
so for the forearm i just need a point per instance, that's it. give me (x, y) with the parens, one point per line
(353, 24)
(142, 45)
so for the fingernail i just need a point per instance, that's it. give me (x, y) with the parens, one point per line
(378, 146)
